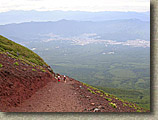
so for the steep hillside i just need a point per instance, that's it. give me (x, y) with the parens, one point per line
(27, 84)
(17, 51)
(22, 73)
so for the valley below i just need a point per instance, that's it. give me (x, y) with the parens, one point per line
(121, 68)
(112, 55)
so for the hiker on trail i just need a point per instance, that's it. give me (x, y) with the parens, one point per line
(64, 78)
(58, 78)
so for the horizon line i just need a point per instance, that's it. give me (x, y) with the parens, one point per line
(73, 11)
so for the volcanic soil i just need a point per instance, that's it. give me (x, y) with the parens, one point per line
(25, 88)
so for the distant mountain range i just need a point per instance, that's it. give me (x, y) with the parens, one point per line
(119, 30)
(28, 16)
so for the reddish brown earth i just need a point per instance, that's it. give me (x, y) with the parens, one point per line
(19, 82)
(24, 90)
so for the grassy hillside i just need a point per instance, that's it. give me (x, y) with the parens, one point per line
(140, 97)
(126, 96)
(20, 52)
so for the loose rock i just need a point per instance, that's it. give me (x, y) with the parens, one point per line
(93, 104)
(96, 110)
(101, 107)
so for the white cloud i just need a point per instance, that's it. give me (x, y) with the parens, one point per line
(82, 5)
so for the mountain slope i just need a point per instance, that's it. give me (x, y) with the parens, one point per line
(17, 51)
(29, 87)
(22, 73)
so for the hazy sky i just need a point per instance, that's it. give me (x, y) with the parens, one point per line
(82, 5)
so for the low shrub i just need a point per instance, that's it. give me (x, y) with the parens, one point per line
(16, 63)
(130, 105)
(108, 99)
(139, 111)
(43, 70)
(1, 65)
(124, 104)
(33, 70)
(98, 91)
(113, 105)
(91, 91)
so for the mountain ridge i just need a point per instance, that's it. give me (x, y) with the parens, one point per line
(119, 30)
(33, 15)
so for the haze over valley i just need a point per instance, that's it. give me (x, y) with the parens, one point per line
(106, 52)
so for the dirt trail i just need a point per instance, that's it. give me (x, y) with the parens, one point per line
(54, 97)
(72, 96)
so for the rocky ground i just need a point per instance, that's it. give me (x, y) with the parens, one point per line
(26, 88)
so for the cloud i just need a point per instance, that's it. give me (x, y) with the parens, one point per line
(82, 5)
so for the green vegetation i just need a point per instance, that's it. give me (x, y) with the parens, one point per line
(91, 91)
(1, 65)
(125, 71)
(102, 93)
(136, 107)
(139, 97)
(139, 111)
(43, 70)
(124, 104)
(33, 70)
(128, 68)
(18, 51)
(130, 105)
(125, 74)
(108, 99)
(113, 105)
(16, 63)
(98, 91)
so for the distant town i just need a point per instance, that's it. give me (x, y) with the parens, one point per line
(86, 39)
